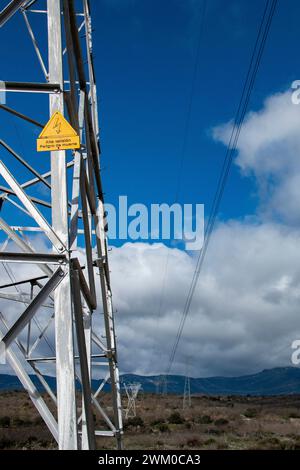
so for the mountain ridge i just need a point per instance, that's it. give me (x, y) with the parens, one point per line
(276, 381)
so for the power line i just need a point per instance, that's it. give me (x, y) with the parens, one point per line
(185, 136)
(236, 129)
(183, 149)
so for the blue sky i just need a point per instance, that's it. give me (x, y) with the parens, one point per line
(245, 311)
(145, 55)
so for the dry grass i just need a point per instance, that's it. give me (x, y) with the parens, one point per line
(211, 423)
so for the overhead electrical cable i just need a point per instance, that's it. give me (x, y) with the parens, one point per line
(184, 146)
(259, 46)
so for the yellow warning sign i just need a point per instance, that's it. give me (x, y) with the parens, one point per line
(58, 134)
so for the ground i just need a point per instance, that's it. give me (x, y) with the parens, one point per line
(162, 423)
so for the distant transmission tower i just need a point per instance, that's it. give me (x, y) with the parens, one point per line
(187, 402)
(132, 391)
(156, 383)
(67, 205)
(164, 385)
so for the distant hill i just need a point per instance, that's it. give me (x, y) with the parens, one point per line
(277, 381)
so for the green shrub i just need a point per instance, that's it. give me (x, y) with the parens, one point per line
(156, 422)
(4, 421)
(44, 443)
(6, 443)
(215, 431)
(251, 413)
(193, 442)
(38, 420)
(176, 418)
(163, 427)
(294, 415)
(209, 441)
(205, 419)
(134, 422)
(221, 422)
(18, 421)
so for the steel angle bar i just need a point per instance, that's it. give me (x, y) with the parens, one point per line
(75, 200)
(64, 334)
(87, 327)
(26, 87)
(71, 111)
(84, 369)
(94, 151)
(82, 82)
(109, 327)
(97, 392)
(31, 310)
(31, 364)
(71, 17)
(34, 394)
(36, 258)
(83, 285)
(101, 364)
(90, 177)
(101, 262)
(35, 45)
(79, 29)
(89, 49)
(70, 56)
(44, 175)
(89, 189)
(44, 383)
(22, 298)
(53, 358)
(38, 11)
(87, 237)
(35, 213)
(76, 178)
(29, 4)
(33, 182)
(31, 280)
(105, 433)
(22, 244)
(10, 10)
(101, 385)
(41, 202)
(45, 12)
(26, 229)
(40, 336)
(41, 359)
(14, 203)
(25, 163)
(103, 413)
(98, 342)
(21, 116)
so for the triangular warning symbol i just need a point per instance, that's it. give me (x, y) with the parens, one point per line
(57, 126)
(58, 134)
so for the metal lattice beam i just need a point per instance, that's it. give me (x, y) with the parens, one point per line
(65, 284)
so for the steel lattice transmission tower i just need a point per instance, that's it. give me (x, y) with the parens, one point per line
(187, 402)
(132, 391)
(62, 294)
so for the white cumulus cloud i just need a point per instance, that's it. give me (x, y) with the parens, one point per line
(269, 149)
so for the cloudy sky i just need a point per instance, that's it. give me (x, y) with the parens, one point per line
(157, 148)
(245, 312)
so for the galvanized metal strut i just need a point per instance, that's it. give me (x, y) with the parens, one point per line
(63, 297)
